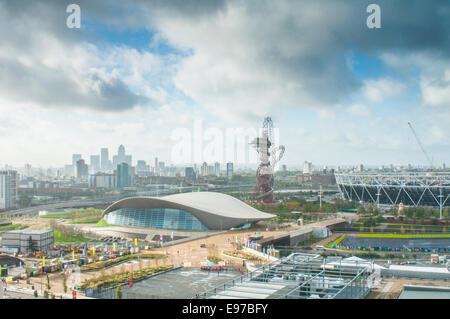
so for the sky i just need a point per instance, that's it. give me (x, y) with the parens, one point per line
(138, 73)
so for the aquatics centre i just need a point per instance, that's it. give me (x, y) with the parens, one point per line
(185, 211)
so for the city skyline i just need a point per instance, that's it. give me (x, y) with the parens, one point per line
(339, 93)
(104, 163)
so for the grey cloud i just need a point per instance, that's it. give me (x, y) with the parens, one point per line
(22, 25)
(54, 88)
(327, 30)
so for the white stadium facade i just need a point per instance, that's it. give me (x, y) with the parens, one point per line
(409, 188)
(185, 211)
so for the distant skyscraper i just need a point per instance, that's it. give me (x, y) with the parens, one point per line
(307, 167)
(28, 170)
(217, 169)
(284, 168)
(229, 169)
(141, 166)
(75, 159)
(121, 157)
(9, 188)
(189, 174)
(123, 176)
(94, 164)
(104, 153)
(360, 168)
(204, 169)
(81, 169)
(69, 170)
(156, 166)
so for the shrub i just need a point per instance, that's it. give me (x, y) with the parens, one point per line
(214, 259)
(119, 292)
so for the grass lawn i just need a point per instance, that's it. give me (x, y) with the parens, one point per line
(336, 242)
(12, 227)
(81, 213)
(60, 237)
(102, 223)
(86, 221)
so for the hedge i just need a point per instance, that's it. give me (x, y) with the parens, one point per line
(405, 235)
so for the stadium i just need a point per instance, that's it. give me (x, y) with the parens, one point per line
(185, 211)
(410, 189)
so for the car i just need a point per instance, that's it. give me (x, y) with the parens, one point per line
(320, 247)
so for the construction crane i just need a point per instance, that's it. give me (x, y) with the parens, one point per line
(421, 146)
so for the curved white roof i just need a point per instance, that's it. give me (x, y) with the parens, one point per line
(211, 208)
(219, 203)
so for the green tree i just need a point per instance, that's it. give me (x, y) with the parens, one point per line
(64, 283)
(361, 211)
(35, 294)
(445, 213)
(48, 283)
(119, 292)
(45, 294)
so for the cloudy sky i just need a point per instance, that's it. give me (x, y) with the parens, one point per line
(136, 71)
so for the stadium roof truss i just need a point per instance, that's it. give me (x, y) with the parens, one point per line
(419, 189)
(297, 276)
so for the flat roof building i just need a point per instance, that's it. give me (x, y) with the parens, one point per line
(27, 241)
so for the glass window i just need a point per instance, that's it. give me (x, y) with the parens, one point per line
(168, 218)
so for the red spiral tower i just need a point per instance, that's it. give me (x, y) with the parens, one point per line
(267, 150)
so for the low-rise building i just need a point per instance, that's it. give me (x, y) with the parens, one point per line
(27, 241)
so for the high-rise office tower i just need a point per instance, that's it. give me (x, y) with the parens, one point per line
(94, 164)
(28, 170)
(189, 174)
(162, 168)
(104, 160)
(75, 159)
(141, 166)
(121, 157)
(123, 176)
(307, 167)
(217, 169)
(204, 169)
(229, 169)
(9, 188)
(81, 169)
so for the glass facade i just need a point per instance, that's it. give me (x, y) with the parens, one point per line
(168, 218)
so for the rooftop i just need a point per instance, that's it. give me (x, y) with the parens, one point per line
(29, 231)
